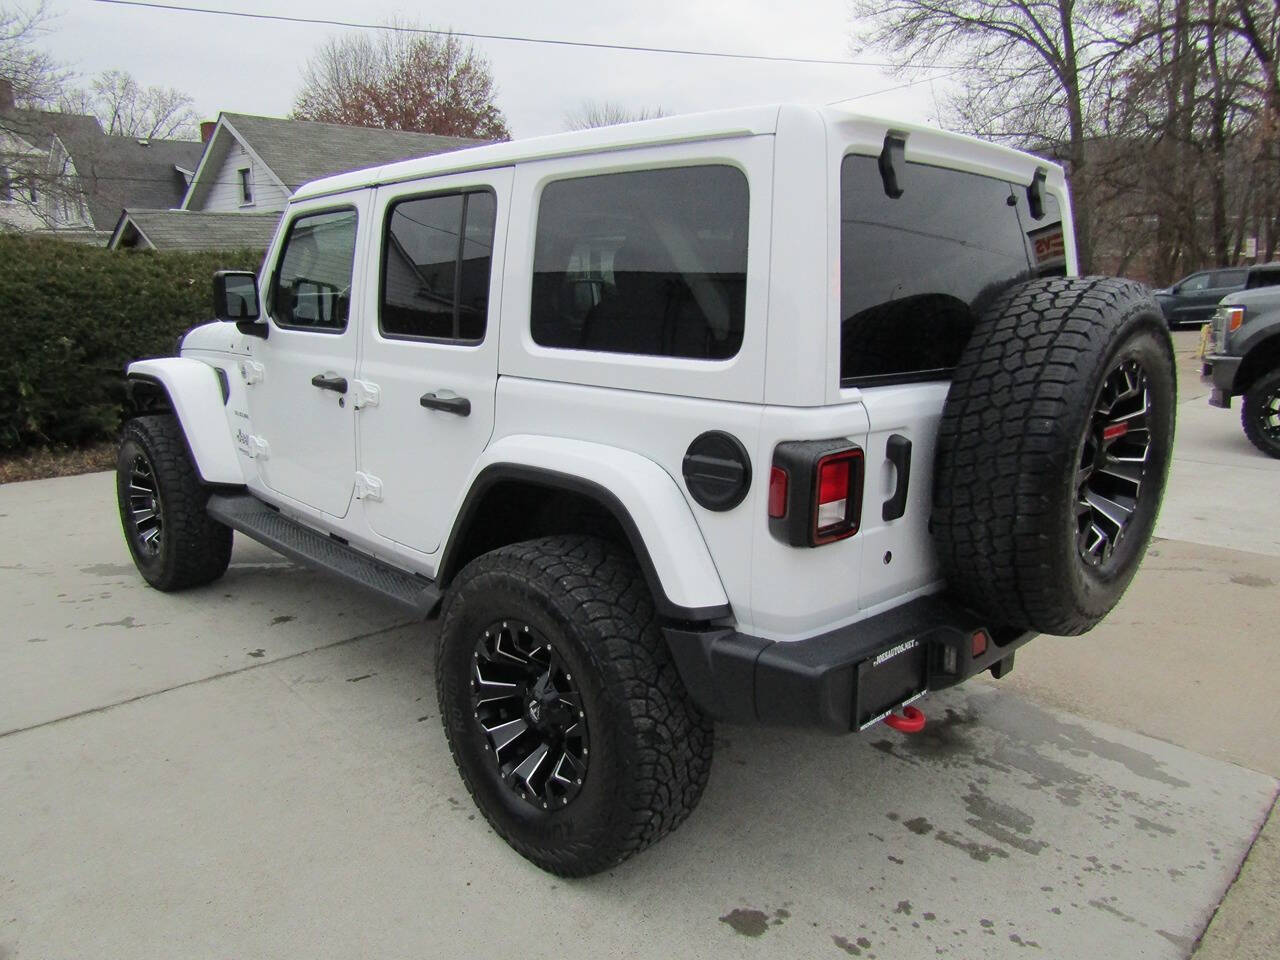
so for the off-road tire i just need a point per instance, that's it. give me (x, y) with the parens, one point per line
(193, 548)
(650, 747)
(1013, 435)
(1261, 401)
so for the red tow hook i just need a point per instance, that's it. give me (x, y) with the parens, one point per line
(910, 721)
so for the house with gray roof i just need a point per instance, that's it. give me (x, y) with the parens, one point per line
(252, 165)
(60, 173)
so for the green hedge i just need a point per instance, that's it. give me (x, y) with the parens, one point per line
(72, 316)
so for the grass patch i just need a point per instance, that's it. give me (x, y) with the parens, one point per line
(42, 464)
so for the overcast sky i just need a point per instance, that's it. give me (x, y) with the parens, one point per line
(248, 66)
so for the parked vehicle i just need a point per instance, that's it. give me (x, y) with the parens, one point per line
(1244, 359)
(777, 415)
(1192, 300)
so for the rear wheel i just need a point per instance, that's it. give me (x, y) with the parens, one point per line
(564, 713)
(1053, 451)
(1260, 414)
(174, 542)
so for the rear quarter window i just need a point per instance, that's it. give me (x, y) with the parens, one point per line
(647, 262)
(916, 271)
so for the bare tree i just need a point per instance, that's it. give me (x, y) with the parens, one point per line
(31, 78)
(126, 109)
(402, 80)
(1033, 69)
(607, 113)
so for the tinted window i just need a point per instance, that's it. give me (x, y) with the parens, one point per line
(1229, 278)
(312, 284)
(1194, 283)
(915, 271)
(649, 262)
(435, 267)
(1264, 278)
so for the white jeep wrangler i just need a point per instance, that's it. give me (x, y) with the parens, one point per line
(780, 414)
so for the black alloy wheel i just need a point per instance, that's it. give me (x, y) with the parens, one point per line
(1113, 463)
(530, 711)
(145, 507)
(1261, 413)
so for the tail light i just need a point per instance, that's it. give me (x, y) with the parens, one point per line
(815, 491)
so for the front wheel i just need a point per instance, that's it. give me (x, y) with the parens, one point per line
(564, 712)
(1260, 415)
(174, 542)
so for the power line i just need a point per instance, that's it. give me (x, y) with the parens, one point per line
(510, 38)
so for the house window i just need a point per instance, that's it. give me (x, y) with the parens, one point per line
(6, 185)
(32, 193)
(246, 186)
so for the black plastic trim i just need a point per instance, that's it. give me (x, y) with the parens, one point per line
(1035, 194)
(717, 470)
(892, 161)
(898, 452)
(503, 472)
(799, 459)
(831, 681)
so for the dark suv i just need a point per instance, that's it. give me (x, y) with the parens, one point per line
(1193, 299)
(1243, 356)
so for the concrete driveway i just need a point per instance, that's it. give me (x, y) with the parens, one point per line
(256, 768)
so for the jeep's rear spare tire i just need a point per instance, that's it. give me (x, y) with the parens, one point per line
(1053, 451)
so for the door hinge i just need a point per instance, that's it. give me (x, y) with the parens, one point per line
(259, 449)
(365, 394)
(252, 371)
(368, 487)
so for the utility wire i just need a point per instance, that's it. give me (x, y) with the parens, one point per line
(509, 38)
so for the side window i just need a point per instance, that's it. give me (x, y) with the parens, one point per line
(436, 259)
(311, 287)
(916, 271)
(647, 262)
(1193, 284)
(1229, 278)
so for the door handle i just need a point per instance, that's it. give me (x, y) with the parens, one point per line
(898, 452)
(336, 384)
(460, 406)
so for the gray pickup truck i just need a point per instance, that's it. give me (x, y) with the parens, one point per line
(1243, 357)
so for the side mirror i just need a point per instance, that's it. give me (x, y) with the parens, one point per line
(1176, 288)
(235, 296)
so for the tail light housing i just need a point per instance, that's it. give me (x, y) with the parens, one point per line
(815, 491)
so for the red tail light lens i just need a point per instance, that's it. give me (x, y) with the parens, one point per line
(777, 493)
(834, 516)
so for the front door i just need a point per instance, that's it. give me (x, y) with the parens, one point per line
(299, 376)
(429, 351)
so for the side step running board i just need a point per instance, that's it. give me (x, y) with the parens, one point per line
(253, 518)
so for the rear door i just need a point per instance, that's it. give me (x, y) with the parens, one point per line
(915, 272)
(429, 350)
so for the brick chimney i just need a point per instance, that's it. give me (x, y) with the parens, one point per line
(206, 129)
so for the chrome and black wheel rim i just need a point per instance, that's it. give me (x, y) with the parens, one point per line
(529, 711)
(146, 513)
(1113, 463)
(1267, 416)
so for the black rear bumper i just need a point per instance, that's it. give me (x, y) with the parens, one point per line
(843, 680)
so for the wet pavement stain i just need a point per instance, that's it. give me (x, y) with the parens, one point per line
(363, 676)
(904, 907)
(748, 922)
(128, 623)
(259, 653)
(1014, 938)
(977, 851)
(276, 621)
(853, 948)
(1252, 580)
(1150, 825)
(109, 570)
